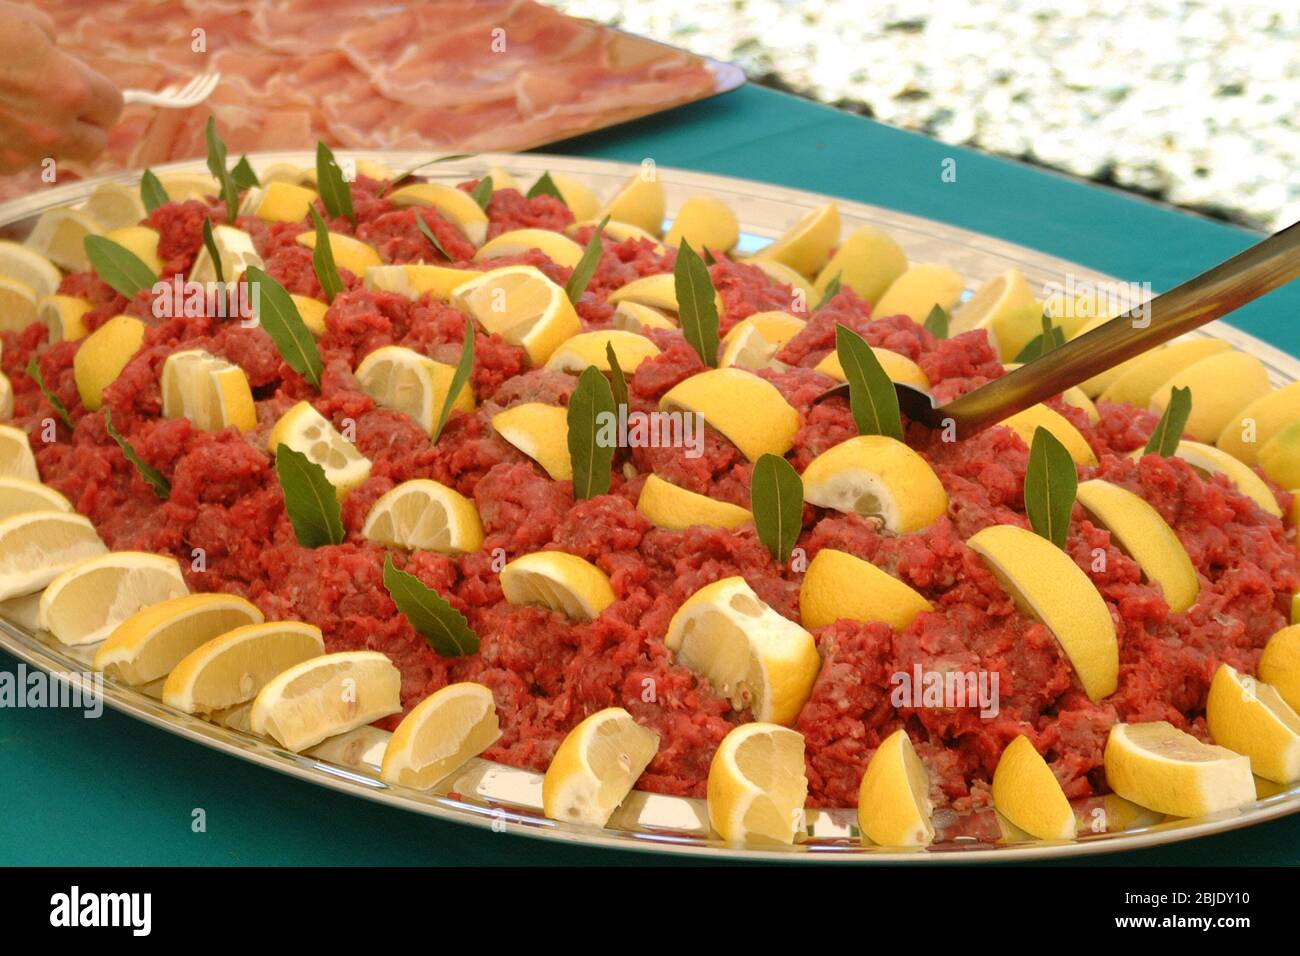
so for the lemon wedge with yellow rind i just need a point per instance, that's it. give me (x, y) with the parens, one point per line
(669, 506)
(305, 430)
(1160, 767)
(236, 254)
(1144, 374)
(659, 291)
(757, 785)
(588, 348)
(209, 391)
(541, 432)
(578, 196)
(754, 341)
(21, 495)
(874, 475)
(615, 232)
(182, 186)
(349, 253)
(85, 603)
(455, 204)
(894, 798)
(899, 368)
(1250, 430)
(560, 249)
(6, 398)
(1279, 665)
(1250, 717)
(867, 262)
(16, 458)
(439, 735)
(596, 767)
(62, 315)
(312, 311)
(415, 279)
(114, 205)
(423, 514)
(838, 585)
(1213, 461)
(800, 287)
(284, 202)
(37, 546)
(638, 318)
(754, 657)
(749, 411)
(1027, 793)
(411, 383)
(1213, 406)
(1025, 423)
(706, 223)
(640, 203)
(523, 306)
(560, 581)
(140, 241)
(806, 247)
(18, 305)
(102, 355)
(1280, 458)
(918, 290)
(60, 236)
(1005, 307)
(1046, 584)
(25, 265)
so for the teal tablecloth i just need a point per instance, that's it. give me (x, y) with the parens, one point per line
(114, 791)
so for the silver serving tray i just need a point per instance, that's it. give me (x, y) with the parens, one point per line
(502, 798)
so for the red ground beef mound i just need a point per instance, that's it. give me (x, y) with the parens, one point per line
(546, 672)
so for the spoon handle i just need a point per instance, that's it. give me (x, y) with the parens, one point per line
(1231, 284)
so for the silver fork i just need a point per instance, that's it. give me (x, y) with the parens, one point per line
(176, 97)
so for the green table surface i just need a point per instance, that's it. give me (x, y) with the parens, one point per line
(114, 791)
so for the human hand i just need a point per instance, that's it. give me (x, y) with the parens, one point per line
(51, 104)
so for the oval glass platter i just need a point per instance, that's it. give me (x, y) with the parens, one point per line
(488, 794)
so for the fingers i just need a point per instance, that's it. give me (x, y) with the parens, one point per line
(101, 101)
(83, 141)
(41, 20)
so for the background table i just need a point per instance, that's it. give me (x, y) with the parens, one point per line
(115, 791)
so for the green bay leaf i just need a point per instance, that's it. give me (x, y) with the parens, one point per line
(592, 458)
(220, 171)
(586, 267)
(151, 475)
(335, 191)
(545, 186)
(210, 243)
(118, 266)
(832, 290)
(34, 373)
(936, 323)
(617, 380)
(434, 619)
(776, 499)
(482, 193)
(152, 193)
(1169, 430)
(431, 236)
(309, 498)
(322, 259)
(464, 367)
(278, 315)
(697, 308)
(872, 398)
(1051, 482)
(243, 174)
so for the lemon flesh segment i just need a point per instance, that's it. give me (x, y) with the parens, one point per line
(1026, 422)
(560, 249)
(899, 368)
(439, 735)
(877, 476)
(757, 785)
(232, 668)
(1280, 457)
(1250, 717)
(894, 798)
(541, 432)
(706, 223)
(284, 202)
(25, 265)
(209, 391)
(838, 585)
(18, 305)
(60, 236)
(1160, 767)
(37, 546)
(415, 279)
(578, 196)
(1046, 584)
(1147, 372)
(1005, 307)
(1279, 665)
(455, 204)
(754, 341)
(559, 581)
(588, 348)
(749, 411)
(669, 506)
(305, 430)
(1215, 406)
(312, 311)
(596, 767)
(806, 248)
(148, 644)
(16, 458)
(1027, 793)
(22, 495)
(102, 355)
(349, 253)
(413, 384)
(1249, 431)
(114, 206)
(635, 317)
(918, 290)
(326, 696)
(522, 306)
(640, 203)
(141, 241)
(1210, 460)
(62, 315)
(87, 602)
(425, 515)
(750, 654)
(235, 253)
(1146, 537)
(867, 262)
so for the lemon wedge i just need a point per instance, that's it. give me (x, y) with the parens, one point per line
(541, 432)
(560, 249)
(757, 785)
(349, 253)
(21, 495)
(640, 203)
(706, 223)
(16, 458)
(560, 581)
(1213, 461)
(25, 265)
(142, 242)
(6, 398)
(578, 196)
(235, 252)
(62, 315)
(1026, 422)
(182, 186)
(102, 356)
(209, 391)
(415, 279)
(422, 514)
(312, 312)
(284, 202)
(523, 306)
(801, 290)
(920, 289)
(899, 368)
(806, 248)
(85, 603)
(615, 231)
(1215, 407)
(18, 305)
(1250, 430)
(1160, 767)
(1145, 373)
(749, 411)
(1280, 663)
(754, 341)
(875, 475)
(60, 236)
(415, 385)
(326, 696)
(37, 546)
(638, 318)
(305, 430)
(455, 204)
(1146, 537)
(754, 657)
(675, 508)
(440, 733)
(588, 348)
(867, 262)
(596, 767)
(148, 644)
(838, 585)
(894, 798)
(232, 668)
(114, 205)
(658, 291)
(1046, 584)
(1005, 307)
(1250, 717)
(1027, 793)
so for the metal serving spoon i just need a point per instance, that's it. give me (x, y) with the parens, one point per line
(1248, 275)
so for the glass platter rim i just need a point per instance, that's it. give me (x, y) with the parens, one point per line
(39, 652)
